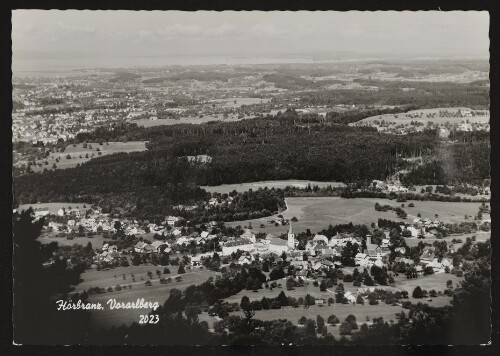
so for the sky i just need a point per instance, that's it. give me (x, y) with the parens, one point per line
(110, 34)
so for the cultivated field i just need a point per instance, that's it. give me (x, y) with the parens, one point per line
(80, 155)
(317, 213)
(282, 184)
(155, 293)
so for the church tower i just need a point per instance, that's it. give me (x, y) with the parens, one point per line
(291, 238)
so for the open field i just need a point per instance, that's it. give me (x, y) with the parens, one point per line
(436, 281)
(78, 150)
(156, 293)
(405, 118)
(481, 236)
(317, 213)
(281, 184)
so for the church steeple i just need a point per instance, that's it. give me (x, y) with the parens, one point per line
(291, 237)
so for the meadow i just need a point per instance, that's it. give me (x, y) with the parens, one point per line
(80, 155)
(316, 213)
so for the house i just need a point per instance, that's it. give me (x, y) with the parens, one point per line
(160, 246)
(176, 232)
(140, 246)
(183, 240)
(299, 265)
(436, 266)
(322, 238)
(172, 220)
(248, 235)
(302, 273)
(320, 301)
(40, 212)
(204, 234)
(427, 256)
(359, 257)
(61, 212)
(244, 260)
(341, 239)
(350, 297)
(446, 263)
(414, 232)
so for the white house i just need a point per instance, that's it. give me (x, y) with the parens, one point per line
(350, 297)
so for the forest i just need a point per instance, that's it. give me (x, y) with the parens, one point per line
(246, 151)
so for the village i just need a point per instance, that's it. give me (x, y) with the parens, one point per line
(364, 265)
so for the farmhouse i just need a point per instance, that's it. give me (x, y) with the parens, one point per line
(350, 297)
(245, 260)
(160, 246)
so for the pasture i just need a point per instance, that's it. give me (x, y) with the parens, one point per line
(317, 213)
(155, 293)
(79, 154)
(279, 184)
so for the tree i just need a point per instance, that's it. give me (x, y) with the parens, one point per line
(348, 253)
(345, 328)
(333, 320)
(302, 320)
(377, 237)
(368, 281)
(309, 300)
(277, 273)
(37, 320)
(417, 292)
(360, 300)
(290, 283)
(136, 259)
(310, 327)
(322, 286)
(351, 319)
(181, 269)
(282, 299)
